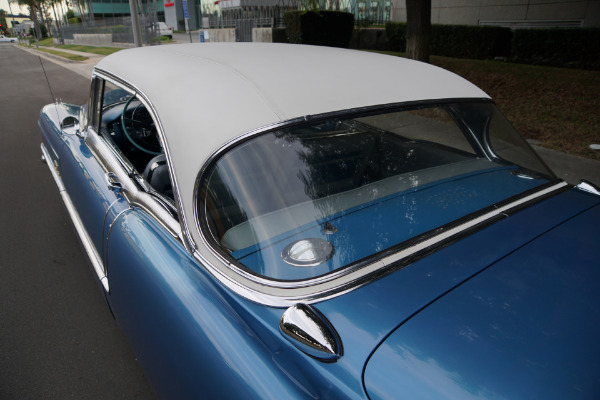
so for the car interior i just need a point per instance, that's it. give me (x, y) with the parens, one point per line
(129, 127)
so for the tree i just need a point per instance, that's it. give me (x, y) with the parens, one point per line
(418, 28)
(58, 24)
(33, 12)
(3, 24)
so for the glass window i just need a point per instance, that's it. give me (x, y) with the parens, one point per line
(129, 127)
(510, 147)
(342, 189)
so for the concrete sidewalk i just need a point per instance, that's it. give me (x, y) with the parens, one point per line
(83, 68)
(568, 167)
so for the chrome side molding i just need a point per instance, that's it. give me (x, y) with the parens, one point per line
(307, 329)
(88, 246)
(589, 187)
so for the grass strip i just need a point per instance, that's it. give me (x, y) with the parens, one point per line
(90, 49)
(46, 42)
(69, 56)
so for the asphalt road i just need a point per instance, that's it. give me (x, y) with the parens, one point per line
(58, 339)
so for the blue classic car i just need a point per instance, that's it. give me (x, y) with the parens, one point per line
(285, 221)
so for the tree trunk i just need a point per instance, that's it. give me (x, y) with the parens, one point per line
(41, 11)
(418, 28)
(90, 11)
(58, 26)
(36, 22)
(83, 19)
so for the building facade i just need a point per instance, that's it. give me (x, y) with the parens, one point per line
(510, 13)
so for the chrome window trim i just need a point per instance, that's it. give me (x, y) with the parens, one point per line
(278, 293)
(589, 187)
(335, 114)
(287, 293)
(114, 162)
(134, 196)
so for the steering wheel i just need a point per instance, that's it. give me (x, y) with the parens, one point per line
(138, 127)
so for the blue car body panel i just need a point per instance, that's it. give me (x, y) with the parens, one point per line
(157, 304)
(196, 338)
(526, 327)
(81, 174)
(193, 337)
(366, 316)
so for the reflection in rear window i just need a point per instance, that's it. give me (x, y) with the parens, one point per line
(363, 184)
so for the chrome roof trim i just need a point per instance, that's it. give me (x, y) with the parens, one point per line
(182, 232)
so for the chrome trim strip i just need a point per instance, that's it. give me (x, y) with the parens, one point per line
(79, 228)
(287, 293)
(589, 187)
(181, 229)
(132, 194)
(469, 224)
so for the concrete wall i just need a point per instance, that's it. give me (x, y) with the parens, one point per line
(512, 13)
(262, 35)
(95, 39)
(220, 35)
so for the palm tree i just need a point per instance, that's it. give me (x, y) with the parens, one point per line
(58, 25)
(33, 12)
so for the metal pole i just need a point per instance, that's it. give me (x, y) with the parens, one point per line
(135, 24)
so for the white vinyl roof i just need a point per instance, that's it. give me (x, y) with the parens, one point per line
(206, 94)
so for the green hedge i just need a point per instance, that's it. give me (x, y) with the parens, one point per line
(457, 40)
(323, 28)
(479, 42)
(396, 34)
(574, 48)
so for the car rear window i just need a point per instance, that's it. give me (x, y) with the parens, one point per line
(307, 199)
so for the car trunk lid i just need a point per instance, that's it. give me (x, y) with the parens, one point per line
(524, 326)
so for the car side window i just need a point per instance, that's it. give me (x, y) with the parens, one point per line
(128, 126)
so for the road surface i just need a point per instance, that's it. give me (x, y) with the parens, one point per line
(58, 339)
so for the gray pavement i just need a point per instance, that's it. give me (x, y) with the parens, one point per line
(83, 68)
(58, 339)
(570, 168)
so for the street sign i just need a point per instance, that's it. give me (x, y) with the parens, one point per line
(186, 15)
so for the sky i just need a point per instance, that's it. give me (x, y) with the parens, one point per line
(14, 7)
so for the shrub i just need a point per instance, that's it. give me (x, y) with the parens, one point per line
(279, 35)
(396, 34)
(322, 28)
(478, 42)
(43, 29)
(575, 48)
(457, 40)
